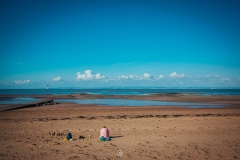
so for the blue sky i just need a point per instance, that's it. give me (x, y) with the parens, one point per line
(92, 43)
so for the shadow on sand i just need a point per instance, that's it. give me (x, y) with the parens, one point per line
(116, 136)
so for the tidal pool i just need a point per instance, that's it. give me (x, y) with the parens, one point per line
(127, 102)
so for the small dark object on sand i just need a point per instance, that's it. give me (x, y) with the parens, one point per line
(81, 137)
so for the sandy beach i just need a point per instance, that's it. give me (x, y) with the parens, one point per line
(159, 132)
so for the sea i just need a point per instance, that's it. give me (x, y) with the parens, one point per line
(24, 96)
(204, 92)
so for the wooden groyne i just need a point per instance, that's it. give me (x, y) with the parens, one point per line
(29, 105)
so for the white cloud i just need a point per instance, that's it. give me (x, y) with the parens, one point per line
(21, 81)
(160, 77)
(88, 75)
(122, 77)
(209, 75)
(175, 75)
(133, 76)
(146, 76)
(57, 79)
(130, 77)
(98, 76)
(225, 79)
(81, 76)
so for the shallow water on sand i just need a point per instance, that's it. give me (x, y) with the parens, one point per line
(24, 100)
(114, 102)
(126, 102)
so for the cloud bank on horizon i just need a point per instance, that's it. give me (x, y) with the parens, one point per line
(88, 75)
(88, 78)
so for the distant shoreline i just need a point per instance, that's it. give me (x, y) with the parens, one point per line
(136, 92)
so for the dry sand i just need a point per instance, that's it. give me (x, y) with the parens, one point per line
(139, 132)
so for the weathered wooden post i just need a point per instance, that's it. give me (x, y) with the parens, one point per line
(47, 90)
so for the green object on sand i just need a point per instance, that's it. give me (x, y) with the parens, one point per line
(105, 139)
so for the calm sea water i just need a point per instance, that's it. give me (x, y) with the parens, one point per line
(112, 102)
(119, 91)
(127, 102)
(17, 100)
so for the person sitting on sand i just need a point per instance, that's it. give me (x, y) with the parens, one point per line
(104, 134)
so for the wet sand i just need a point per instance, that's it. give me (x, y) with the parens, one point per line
(138, 132)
